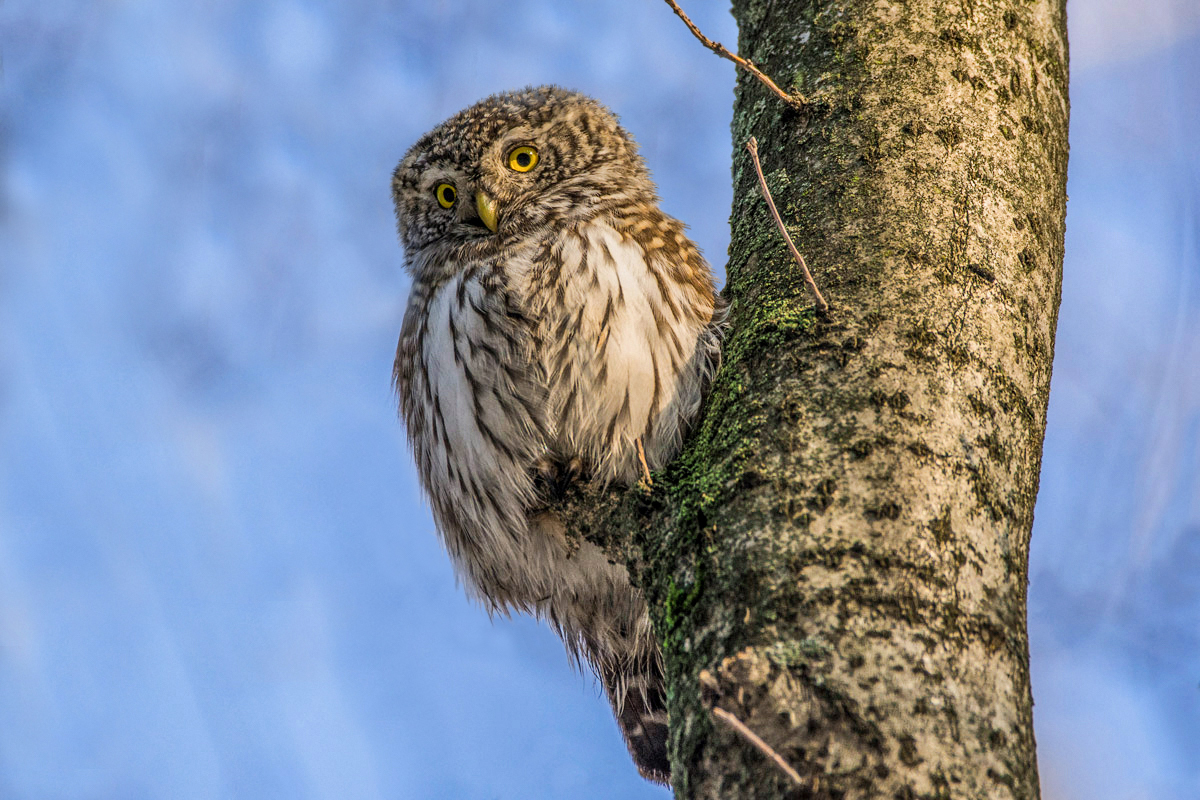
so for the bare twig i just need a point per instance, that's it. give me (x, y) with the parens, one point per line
(753, 738)
(752, 146)
(796, 100)
(641, 453)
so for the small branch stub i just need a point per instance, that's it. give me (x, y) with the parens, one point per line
(796, 100)
(752, 146)
(754, 739)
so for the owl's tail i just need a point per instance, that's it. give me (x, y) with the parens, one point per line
(604, 623)
(639, 704)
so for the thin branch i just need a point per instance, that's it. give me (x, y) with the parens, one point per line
(752, 146)
(796, 100)
(753, 738)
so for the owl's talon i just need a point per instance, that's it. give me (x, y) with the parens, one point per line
(545, 469)
(641, 453)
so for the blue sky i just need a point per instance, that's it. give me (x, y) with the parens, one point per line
(217, 578)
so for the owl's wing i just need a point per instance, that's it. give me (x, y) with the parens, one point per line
(627, 320)
(473, 402)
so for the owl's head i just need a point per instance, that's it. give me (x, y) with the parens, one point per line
(508, 165)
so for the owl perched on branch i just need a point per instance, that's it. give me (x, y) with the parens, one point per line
(559, 326)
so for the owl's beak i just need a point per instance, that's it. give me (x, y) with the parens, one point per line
(487, 210)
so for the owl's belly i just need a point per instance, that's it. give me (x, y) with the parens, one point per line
(473, 407)
(477, 439)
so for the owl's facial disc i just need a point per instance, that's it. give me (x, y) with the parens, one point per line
(487, 209)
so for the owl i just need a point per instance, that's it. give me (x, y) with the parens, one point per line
(560, 328)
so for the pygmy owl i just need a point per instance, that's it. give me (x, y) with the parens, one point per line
(558, 323)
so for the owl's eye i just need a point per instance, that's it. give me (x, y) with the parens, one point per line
(522, 159)
(446, 195)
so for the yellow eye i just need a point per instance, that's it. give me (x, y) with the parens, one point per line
(446, 195)
(522, 159)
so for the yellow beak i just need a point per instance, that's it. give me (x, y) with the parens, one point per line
(487, 210)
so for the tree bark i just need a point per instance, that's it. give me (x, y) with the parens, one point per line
(839, 557)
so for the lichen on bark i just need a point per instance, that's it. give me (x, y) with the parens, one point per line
(838, 558)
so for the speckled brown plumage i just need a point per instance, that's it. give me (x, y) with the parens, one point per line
(557, 319)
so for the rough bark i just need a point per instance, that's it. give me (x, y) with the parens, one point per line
(839, 558)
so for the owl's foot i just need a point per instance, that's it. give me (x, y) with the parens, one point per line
(555, 475)
(641, 453)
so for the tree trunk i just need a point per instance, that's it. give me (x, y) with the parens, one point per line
(839, 558)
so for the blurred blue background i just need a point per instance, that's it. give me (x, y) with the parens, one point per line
(217, 578)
